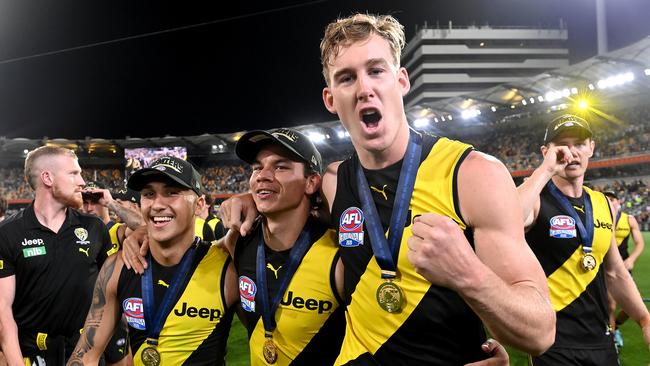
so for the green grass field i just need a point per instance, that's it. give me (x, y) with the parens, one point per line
(634, 353)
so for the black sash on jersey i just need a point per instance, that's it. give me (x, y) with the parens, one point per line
(586, 234)
(155, 318)
(295, 257)
(386, 251)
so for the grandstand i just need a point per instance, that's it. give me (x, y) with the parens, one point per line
(507, 121)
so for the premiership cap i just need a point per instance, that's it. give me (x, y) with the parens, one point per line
(176, 169)
(295, 142)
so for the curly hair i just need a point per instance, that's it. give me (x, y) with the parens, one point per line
(358, 27)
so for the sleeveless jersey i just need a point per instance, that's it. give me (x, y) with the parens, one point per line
(578, 296)
(623, 231)
(310, 322)
(196, 329)
(115, 241)
(435, 326)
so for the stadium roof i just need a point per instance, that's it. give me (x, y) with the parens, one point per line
(621, 73)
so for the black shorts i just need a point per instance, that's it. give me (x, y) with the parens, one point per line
(577, 357)
(118, 346)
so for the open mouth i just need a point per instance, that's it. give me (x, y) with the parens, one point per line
(370, 117)
(264, 193)
(161, 221)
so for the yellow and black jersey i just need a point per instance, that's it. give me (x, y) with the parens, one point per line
(310, 321)
(216, 225)
(435, 327)
(623, 231)
(203, 230)
(196, 329)
(113, 227)
(578, 296)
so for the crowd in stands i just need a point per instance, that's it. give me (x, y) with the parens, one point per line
(515, 142)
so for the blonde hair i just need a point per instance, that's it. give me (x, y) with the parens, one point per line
(359, 27)
(32, 171)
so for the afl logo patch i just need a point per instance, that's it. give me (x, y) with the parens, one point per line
(351, 227)
(562, 227)
(247, 291)
(134, 312)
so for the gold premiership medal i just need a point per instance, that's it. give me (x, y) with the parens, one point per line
(150, 356)
(588, 262)
(270, 351)
(390, 297)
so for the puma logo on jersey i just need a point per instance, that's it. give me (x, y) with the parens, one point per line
(275, 271)
(85, 251)
(382, 191)
(163, 283)
(579, 208)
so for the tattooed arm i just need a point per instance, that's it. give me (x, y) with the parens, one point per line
(102, 318)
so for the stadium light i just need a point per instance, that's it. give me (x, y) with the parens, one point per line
(443, 118)
(591, 86)
(540, 98)
(342, 134)
(532, 100)
(435, 119)
(646, 72)
(574, 91)
(615, 80)
(316, 137)
(493, 109)
(583, 104)
(449, 117)
(566, 92)
(469, 113)
(523, 101)
(421, 122)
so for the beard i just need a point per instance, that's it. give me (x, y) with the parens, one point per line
(73, 200)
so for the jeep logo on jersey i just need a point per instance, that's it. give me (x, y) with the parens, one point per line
(134, 312)
(351, 227)
(604, 225)
(247, 291)
(562, 227)
(192, 312)
(310, 304)
(82, 235)
(27, 242)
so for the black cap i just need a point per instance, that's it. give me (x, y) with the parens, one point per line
(126, 194)
(295, 142)
(567, 122)
(610, 194)
(176, 169)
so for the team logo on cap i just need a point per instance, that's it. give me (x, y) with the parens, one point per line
(351, 227)
(562, 227)
(288, 134)
(247, 291)
(82, 235)
(134, 312)
(163, 163)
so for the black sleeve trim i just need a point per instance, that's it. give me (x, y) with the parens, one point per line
(335, 261)
(224, 271)
(455, 183)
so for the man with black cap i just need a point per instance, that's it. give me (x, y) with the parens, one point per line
(626, 227)
(569, 228)
(180, 310)
(290, 274)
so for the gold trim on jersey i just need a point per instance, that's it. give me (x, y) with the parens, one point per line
(305, 307)
(368, 326)
(115, 241)
(570, 280)
(196, 313)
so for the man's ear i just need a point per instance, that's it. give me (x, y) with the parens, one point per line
(199, 205)
(403, 80)
(328, 100)
(313, 184)
(47, 178)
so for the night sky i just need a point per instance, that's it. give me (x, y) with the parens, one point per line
(251, 65)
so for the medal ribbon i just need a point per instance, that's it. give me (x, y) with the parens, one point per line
(155, 319)
(387, 251)
(295, 257)
(586, 233)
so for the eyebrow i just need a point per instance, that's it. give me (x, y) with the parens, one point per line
(371, 62)
(280, 160)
